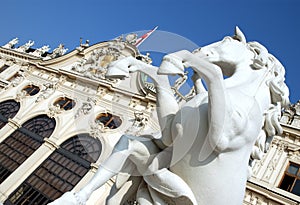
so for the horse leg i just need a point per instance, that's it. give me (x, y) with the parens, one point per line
(136, 149)
(218, 99)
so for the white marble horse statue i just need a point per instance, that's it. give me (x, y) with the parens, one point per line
(202, 154)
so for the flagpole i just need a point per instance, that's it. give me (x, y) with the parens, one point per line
(140, 40)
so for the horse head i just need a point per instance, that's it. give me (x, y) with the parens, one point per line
(229, 54)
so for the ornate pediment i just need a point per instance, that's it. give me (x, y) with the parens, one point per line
(95, 63)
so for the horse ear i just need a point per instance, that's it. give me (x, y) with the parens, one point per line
(239, 35)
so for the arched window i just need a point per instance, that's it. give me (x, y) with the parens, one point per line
(59, 173)
(64, 103)
(31, 90)
(8, 109)
(109, 120)
(16, 148)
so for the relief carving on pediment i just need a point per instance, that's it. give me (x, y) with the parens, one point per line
(95, 65)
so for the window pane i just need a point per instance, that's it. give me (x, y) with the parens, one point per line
(293, 169)
(59, 173)
(287, 183)
(3, 68)
(109, 120)
(31, 90)
(8, 109)
(15, 149)
(65, 103)
(296, 188)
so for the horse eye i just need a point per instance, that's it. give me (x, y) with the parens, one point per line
(236, 38)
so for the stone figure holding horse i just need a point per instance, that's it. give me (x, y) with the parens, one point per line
(201, 155)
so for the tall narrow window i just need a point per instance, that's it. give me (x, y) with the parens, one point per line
(3, 68)
(59, 173)
(8, 109)
(16, 148)
(291, 179)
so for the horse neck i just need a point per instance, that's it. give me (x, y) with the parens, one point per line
(251, 83)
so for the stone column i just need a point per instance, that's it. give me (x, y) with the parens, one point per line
(8, 129)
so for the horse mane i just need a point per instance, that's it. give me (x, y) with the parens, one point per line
(279, 93)
(263, 59)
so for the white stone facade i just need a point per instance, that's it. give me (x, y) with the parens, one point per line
(268, 173)
(79, 75)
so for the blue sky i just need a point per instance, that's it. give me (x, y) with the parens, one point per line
(274, 23)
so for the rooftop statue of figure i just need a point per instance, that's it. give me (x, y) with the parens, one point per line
(25, 47)
(11, 44)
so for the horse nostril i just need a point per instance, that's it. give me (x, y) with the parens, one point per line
(211, 53)
(197, 50)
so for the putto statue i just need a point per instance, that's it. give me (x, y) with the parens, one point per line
(40, 51)
(25, 47)
(201, 155)
(59, 51)
(11, 44)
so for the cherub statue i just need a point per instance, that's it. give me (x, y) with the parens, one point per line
(40, 51)
(25, 47)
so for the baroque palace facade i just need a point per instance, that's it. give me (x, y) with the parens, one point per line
(60, 118)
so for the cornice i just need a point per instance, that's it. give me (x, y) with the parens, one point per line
(84, 51)
(292, 130)
(17, 54)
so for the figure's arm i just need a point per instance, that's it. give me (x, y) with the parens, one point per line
(166, 106)
(199, 87)
(219, 105)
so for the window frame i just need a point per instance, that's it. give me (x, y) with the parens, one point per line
(65, 168)
(65, 105)
(31, 90)
(114, 119)
(3, 68)
(295, 177)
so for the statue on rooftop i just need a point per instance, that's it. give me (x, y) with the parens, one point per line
(59, 51)
(25, 47)
(40, 51)
(11, 44)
